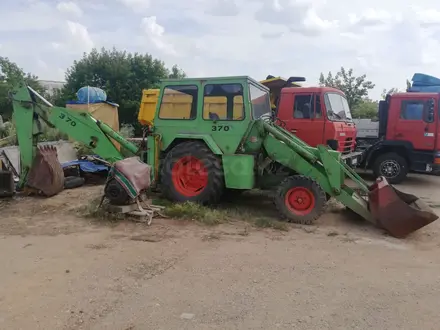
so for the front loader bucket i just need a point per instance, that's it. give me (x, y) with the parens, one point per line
(46, 174)
(398, 213)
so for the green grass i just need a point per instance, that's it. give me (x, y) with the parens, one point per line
(208, 216)
(91, 211)
(196, 212)
(214, 216)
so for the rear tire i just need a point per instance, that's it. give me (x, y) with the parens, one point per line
(300, 200)
(71, 182)
(191, 172)
(230, 195)
(391, 166)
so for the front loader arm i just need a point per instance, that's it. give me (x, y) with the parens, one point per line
(30, 110)
(398, 213)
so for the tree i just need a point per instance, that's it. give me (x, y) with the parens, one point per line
(393, 90)
(366, 109)
(10, 75)
(176, 73)
(354, 88)
(57, 97)
(122, 75)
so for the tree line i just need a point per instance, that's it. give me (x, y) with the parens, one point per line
(123, 75)
(356, 90)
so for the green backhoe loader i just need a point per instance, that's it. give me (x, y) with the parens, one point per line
(200, 156)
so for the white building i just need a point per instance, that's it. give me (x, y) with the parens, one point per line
(51, 85)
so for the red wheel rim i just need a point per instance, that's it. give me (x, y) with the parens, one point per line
(300, 200)
(189, 176)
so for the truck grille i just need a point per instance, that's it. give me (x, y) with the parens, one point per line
(346, 145)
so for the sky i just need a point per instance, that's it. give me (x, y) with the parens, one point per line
(386, 40)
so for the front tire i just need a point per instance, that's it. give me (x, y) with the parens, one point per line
(191, 172)
(300, 200)
(115, 193)
(391, 166)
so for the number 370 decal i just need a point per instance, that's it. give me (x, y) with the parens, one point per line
(67, 119)
(217, 128)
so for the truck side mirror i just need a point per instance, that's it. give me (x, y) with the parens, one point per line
(430, 111)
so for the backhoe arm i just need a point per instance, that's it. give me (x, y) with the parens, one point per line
(29, 111)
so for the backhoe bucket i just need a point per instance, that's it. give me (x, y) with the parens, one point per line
(46, 174)
(398, 213)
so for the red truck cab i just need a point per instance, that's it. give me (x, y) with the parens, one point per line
(418, 124)
(317, 115)
(408, 136)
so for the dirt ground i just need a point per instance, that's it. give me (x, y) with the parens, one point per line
(61, 271)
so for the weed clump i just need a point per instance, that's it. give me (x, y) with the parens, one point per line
(196, 212)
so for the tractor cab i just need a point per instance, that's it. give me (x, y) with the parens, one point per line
(220, 107)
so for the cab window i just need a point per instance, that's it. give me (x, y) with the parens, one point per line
(337, 107)
(223, 102)
(412, 110)
(179, 102)
(303, 106)
(260, 101)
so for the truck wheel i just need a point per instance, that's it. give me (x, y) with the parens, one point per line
(191, 172)
(391, 166)
(300, 199)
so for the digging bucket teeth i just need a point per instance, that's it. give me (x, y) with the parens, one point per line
(398, 213)
(46, 174)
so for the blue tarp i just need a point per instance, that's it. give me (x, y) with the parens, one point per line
(424, 83)
(421, 79)
(80, 102)
(91, 95)
(86, 166)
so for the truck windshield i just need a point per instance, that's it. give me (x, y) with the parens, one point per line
(260, 101)
(337, 107)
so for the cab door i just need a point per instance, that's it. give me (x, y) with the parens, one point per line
(416, 123)
(224, 114)
(307, 121)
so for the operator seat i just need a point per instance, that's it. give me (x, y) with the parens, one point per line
(213, 116)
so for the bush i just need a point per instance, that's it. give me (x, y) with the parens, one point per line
(127, 130)
(8, 129)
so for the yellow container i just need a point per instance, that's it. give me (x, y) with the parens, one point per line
(176, 105)
(105, 112)
(148, 106)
